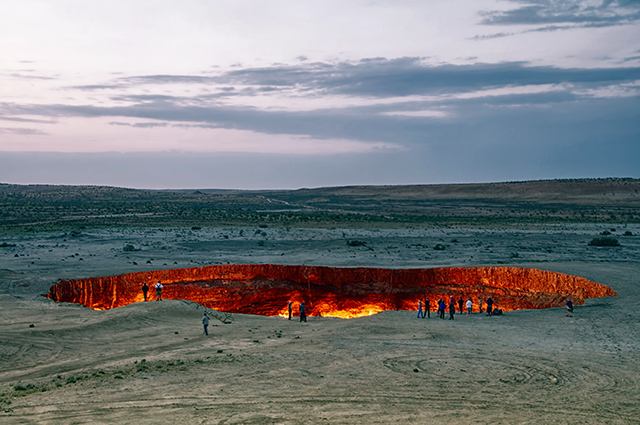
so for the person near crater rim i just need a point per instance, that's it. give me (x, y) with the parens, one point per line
(145, 289)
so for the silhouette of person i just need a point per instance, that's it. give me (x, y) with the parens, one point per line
(427, 307)
(290, 308)
(460, 304)
(303, 312)
(420, 313)
(480, 304)
(569, 308)
(441, 308)
(205, 323)
(489, 306)
(452, 309)
(145, 289)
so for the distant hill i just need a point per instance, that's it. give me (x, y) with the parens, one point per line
(51, 207)
(578, 191)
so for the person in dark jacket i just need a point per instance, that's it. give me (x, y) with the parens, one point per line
(460, 304)
(303, 312)
(427, 307)
(145, 289)
(489, 306)
(569, 308)
(452, 309)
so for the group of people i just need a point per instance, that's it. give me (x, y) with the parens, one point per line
(302, 308)
(158, 287)
(442, 307)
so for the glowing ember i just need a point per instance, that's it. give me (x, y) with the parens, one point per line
(266, 289)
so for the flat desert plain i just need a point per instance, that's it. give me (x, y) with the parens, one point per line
(149, 363)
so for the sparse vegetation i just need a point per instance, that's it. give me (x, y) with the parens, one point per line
(604, 241)
(33, 208)
(128, 247)
(356, 243)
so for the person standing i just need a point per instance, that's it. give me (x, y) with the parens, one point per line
(205, 323)
(420, 313)
(441, 307)
(427, 307)
(290, 308)
(469, 306)
(480, 304)
(452, 309)
(460, 304)
(569, 308)
(303, 312)
(145, 289)
(489, 306)
(158, 291)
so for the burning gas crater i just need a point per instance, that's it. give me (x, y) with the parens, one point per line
(266, 289)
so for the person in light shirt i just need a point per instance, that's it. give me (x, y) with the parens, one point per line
(158, 291)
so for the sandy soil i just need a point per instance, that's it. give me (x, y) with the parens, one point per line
(150, 363)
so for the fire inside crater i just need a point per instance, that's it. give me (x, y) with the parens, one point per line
(266, 289)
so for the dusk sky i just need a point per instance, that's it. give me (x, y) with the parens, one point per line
(255, 94)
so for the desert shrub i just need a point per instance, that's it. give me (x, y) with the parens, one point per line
(628, 233)
(356, 243)
(604, 241)
(440, 247)
(128, 247)
(605, 233)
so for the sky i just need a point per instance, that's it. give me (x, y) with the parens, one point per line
(285, 94)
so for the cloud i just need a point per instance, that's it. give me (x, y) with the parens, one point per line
(140, 124)
(92, 87)
(410, 76)
(19, 119)
(21, 131)
(556, 15)
(29, 77)
(499, 119)
(367, 78)
(422, 95)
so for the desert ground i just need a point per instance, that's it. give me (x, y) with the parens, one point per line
(150, 362)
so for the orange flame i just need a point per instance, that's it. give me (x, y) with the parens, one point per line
(266, 289)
